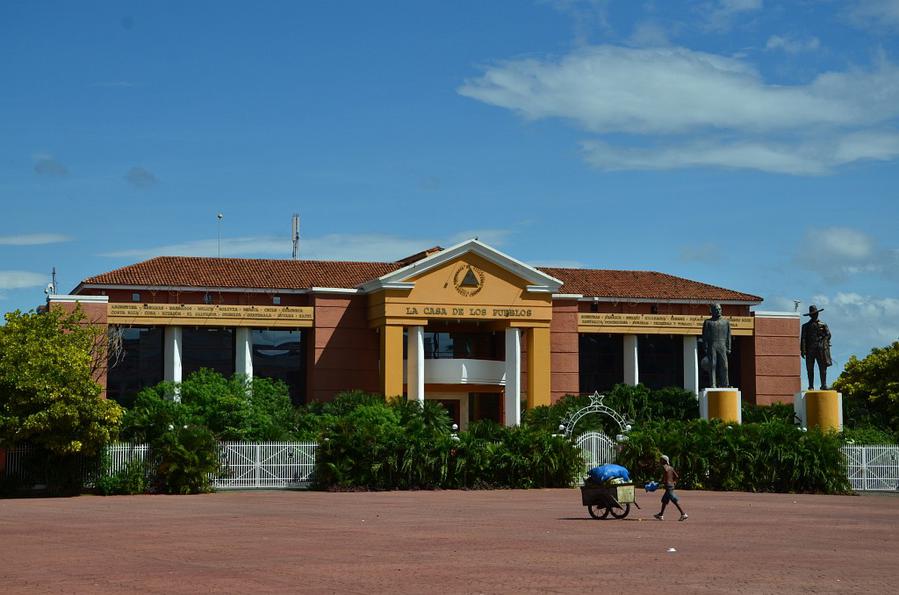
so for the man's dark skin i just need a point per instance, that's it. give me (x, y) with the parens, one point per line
(814, 346)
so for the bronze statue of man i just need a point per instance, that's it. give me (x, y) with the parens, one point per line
(717, 343)
(814, 346)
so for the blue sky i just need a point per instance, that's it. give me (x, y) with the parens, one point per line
(746, 143)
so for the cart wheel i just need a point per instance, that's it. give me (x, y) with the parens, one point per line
(620, 513)
(595, 511)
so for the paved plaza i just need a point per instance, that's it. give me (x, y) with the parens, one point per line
(538, 541)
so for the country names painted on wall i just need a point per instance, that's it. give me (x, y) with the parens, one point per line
(675, 324)
(210, 315)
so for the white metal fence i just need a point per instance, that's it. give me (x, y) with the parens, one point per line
(245, 465)
(266, 465)
(598, 448)
(873, 467)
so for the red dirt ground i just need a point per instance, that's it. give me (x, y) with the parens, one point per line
(538, 541)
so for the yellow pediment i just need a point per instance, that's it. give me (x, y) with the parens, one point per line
(468, 286)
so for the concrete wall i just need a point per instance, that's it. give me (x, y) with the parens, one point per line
(776, 358)
(343, 351)
(564, 349)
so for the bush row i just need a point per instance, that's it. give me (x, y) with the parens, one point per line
(407, 445)
(771, 456)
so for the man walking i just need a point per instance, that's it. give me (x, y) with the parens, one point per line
(669, 479)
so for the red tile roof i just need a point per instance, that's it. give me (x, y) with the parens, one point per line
(239, 273)
(641, 285)
(253, 273)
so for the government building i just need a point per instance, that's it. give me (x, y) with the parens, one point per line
(468, 326)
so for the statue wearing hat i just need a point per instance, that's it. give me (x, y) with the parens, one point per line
(814, 346)
(716, 340)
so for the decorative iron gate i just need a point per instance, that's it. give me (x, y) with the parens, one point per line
(266, 465)
(873, 468)
(598, 448)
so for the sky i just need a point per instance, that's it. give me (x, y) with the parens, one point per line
(750, 144)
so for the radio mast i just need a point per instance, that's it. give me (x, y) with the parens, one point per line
(295, 235)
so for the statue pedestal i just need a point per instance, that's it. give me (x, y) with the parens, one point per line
(721, 403)
(819, 409)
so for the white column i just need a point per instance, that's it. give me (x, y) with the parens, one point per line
(415, 363)
(172, 356)
(513, 377)
(243, 351)
(631, 366)
(691, 364)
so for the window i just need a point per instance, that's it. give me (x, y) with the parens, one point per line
(280, 354)
(660, 360)
(207, 347)
(600, 361)
(135, 297)
(276, 300)
(140, 363)
(464, 345)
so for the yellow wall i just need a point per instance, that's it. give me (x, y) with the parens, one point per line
(538, 367)
(392, 361)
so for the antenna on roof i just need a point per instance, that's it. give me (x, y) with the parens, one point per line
(295, 235)
(51, 286)
(219, 216)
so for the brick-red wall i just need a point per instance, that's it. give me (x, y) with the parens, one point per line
(661, 308)
(564, 349)
(95, 315)
(776, 359)
(344, 352)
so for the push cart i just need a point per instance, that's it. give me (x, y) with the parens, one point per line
(615, 500)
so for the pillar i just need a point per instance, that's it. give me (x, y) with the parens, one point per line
(415, 366)
(539, 367)
(631, 365)
(171, 358)
(392, 361)
(512, 404)
(243, 351)
(691, 364)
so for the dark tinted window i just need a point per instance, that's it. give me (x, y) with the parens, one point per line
(207, 347)
(600, 361)
(280, 354)
(139, 364)
(660, 360)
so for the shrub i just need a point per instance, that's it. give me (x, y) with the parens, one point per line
(636, 403)
(764, 457)
(130, 480)
(407, 445)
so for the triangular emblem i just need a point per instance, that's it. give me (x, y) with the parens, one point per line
(470, 280)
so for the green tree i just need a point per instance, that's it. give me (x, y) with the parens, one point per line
(870, 387)
(48, 393)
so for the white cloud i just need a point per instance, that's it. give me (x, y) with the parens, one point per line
(21, 279)
(370, 247)
(649, 34)
(839, 252)
(792, 46)
(708, 253)
(875, 13)
(47, 166)
(721, 15)
(858, 322)
(33, 239)
(701, 109)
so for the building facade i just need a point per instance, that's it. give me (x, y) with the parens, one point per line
(469, 326)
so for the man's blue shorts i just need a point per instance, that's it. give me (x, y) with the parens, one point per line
(669, 495)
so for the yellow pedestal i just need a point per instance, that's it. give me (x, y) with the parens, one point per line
(723, 404)
(823, 409)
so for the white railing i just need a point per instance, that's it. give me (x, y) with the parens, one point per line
(245, 465)
(873, 467)
(250, 465)
(598, 448)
